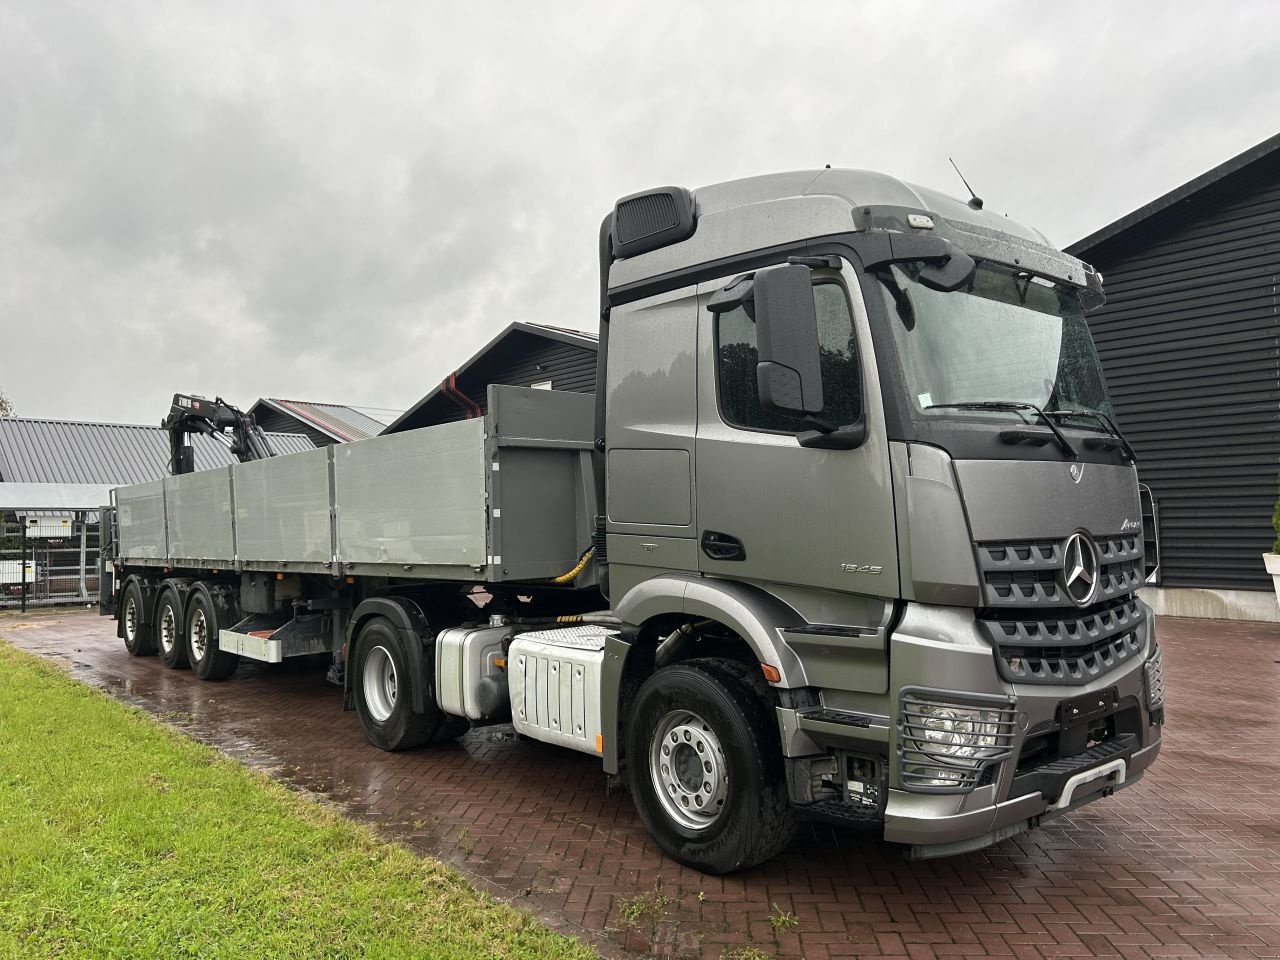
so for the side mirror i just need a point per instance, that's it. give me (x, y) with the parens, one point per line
(789, 374)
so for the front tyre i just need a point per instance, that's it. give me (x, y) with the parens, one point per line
(705, 769)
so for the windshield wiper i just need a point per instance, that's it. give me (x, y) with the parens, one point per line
(1108, 426)
(1015, 405)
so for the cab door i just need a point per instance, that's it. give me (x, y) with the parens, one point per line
(769, 509)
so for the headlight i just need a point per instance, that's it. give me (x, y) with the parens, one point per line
(945, 746)
(958, 732)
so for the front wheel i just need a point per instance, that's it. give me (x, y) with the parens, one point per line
(705, 769)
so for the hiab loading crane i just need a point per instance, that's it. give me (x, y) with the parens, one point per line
(867, 541)
(190, 414)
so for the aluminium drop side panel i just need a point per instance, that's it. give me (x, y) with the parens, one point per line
(282, 508)
(199, 512)
(140, 519)
(414, 500)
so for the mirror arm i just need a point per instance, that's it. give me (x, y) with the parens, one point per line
(847, 437)
(819, 424)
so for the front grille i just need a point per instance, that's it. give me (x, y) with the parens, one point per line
(1072, 650)
(1026, 573)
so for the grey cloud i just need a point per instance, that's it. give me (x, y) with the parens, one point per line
(340, 201)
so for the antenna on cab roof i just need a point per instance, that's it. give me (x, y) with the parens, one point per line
(975, 201)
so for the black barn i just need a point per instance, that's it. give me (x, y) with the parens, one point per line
(522, 355)
(1189, 340)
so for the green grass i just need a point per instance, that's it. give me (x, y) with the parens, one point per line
(121, 838)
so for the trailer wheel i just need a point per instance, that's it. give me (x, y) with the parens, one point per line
(203, 624)
(168, 627)
(139, 638)
(705, 766)
(383, 688)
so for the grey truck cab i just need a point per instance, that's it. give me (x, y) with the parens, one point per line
(861, 427)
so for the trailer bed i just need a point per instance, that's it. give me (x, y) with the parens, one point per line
(506, 496)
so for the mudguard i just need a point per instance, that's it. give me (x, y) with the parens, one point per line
(756, 616)
(411, 622)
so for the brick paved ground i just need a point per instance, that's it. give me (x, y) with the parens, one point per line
(1186, 863)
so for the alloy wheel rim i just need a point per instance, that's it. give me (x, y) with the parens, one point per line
(168, 629)
(199, 635)
(380, 684)
(688, 769)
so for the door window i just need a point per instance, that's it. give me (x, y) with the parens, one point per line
(736, 358)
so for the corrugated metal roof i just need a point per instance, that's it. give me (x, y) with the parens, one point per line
(337, 420)
(59, 498)
(65, 451)
(586, 338)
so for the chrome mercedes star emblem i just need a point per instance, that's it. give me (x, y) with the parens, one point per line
(1080, 569)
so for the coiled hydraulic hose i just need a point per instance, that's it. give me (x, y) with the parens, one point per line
(578, 568)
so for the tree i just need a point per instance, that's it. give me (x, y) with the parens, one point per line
(6, 405)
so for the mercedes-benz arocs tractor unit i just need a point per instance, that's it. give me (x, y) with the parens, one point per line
(846, 532)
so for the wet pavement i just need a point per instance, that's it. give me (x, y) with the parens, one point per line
(1185, 863)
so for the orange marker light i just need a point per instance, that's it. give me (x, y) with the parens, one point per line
(500, 663)
(770, 672)
(599, 743)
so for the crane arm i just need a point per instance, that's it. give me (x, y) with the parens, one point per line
(191, 414)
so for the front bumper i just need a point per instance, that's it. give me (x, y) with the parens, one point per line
(924, 822)
(942, 652)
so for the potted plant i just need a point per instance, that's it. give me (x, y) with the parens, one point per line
(1272, 559)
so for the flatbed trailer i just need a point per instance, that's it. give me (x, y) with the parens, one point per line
(847, 533)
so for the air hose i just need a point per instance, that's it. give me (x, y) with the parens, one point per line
(578, 568)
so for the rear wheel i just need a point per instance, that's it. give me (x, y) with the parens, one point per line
(705, 768)
(383, 683)
(168, 621)
(203, 624)
(139, 638)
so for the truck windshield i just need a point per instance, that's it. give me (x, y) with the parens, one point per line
(1004, 336)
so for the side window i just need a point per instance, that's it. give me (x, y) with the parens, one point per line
(736, 359)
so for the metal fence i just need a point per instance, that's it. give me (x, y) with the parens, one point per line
(48, 559)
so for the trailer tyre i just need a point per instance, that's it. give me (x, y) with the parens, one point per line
(705, 767)
(384, 697)
(139, 636)
(168, 627)
(204, 622)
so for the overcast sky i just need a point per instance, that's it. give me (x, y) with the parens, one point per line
(341, 202)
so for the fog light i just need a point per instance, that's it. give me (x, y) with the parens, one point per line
(959, 732)
(946, 746)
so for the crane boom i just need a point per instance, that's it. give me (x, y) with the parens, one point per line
(191, 414)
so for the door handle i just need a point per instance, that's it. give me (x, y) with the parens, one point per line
(722, 546)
